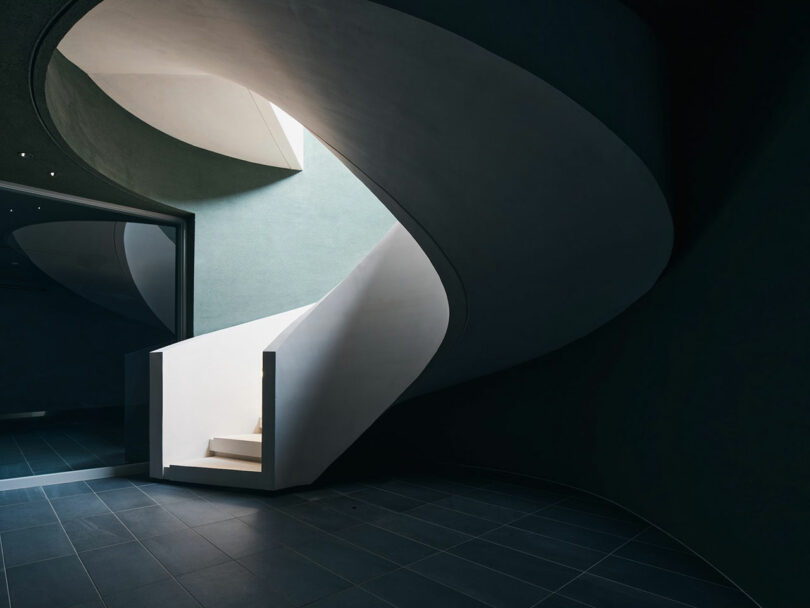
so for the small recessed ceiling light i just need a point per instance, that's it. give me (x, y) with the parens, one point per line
(22, 154)
(52, 173)
(11, 210)
(38, 207)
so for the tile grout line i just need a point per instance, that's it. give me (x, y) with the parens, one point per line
(138, 540)
(592, 566)
(340, 539)
(265, 502)
(586, 570)
(72, 546)
(645, 591)
(352, 584)
(437, 551)
(464, 496)
(54, 450)
(5, 570)
(479, 537)
(663, 569)
(25, 458)
(82, 447)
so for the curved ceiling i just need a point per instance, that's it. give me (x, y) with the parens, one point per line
(126, 267)
(201, 109)
(542, 223)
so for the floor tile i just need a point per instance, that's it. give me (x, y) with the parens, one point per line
(150, 521)
(35, 544)
(493, 588)
(410, 490)
(668, 584)
(535, 491)
(297, 578)
(345, 560)
(163, 493)
(552, 549)
(599, 523)
(90, 604)
(677, 561)
(14, 469)
(503, 500)
(15, 497)
(357, 509)
(281, 528)
(231, 585)
(55, 583)
(236, 538)
(67, 489)
(597, 506)
(387, 500)
(122, 567)
(109, 483)
(196, 512)
(235, 505)
(653, 536)
(80, 505)
(453, 519)
(25, 515)
(321, 516)
(603, 593)
(528, 568)
(422, 531)
(184, 551)
(95, 532)
(558, 601)
(406, 589)
(284, 500)
(386, 544)
(351, 598)
(164, 594)
(315, 494)
(480, 509)
(125, 498)
(348, 487)
(48, 465)
(572, 534)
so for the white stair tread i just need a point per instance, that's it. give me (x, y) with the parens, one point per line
(218, 462)
(239, 446)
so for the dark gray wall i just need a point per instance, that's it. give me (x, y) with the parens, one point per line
(691, 407)
(61, 351)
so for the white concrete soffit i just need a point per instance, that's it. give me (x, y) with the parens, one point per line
(204, 110)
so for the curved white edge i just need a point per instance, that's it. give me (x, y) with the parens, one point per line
(150, 256)
(328, 378)
(88, 257)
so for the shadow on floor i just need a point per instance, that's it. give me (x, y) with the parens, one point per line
(456, 540)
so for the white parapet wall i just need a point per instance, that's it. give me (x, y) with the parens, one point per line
(332, 374)
(330, 370)
(206, 386)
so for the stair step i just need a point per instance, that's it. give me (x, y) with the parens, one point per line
(219, 462)
(247, 446)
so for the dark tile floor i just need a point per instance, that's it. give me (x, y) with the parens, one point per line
(457, 541)
(53, 444)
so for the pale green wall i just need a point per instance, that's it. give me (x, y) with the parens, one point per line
(282, 245)
(266, 239)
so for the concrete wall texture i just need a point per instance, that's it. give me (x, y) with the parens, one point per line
(266, 239)
(288, 242)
